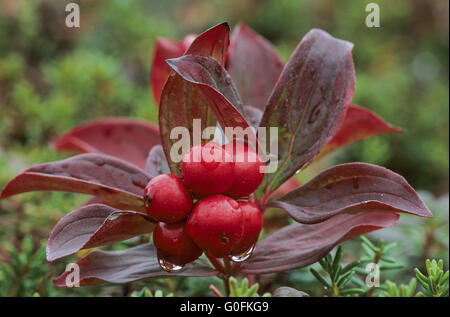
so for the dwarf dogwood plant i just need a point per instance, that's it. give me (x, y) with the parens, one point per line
(237, 81)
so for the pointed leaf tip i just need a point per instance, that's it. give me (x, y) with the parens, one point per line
(93, 174)
(218, 89)
(359, 123)
(308, 103)
(351, 187)
(254, 64)
(299, 245)
(92, 226)
(182, 102)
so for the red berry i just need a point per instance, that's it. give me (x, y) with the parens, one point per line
(167, 199)
(216, 225)
(253, 222)
(207, 169)
(247, 174)
(174, 244)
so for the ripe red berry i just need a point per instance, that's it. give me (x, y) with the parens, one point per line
(167, 199)
(247, 173)
(216, 225)
(173, 243)
(207, 169)
(253, 222)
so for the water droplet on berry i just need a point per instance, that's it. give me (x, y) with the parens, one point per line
(168, 266)
(244, 256)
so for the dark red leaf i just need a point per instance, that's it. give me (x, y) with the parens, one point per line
(182, 102)
(205, 71)
(113, 204)
(253, 116)
(213, 43)
(164, 49)
(127, 139)
(289, 185)
(254, 65)
(308, 103)
(93, 226)
(157, 162)
(217, 86)
(299, 245)
(93, 174)
(120, 267)
(359, 123)
(348, 188)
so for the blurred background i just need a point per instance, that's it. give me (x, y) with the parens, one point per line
(53, 77)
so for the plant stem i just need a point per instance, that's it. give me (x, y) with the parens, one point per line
(216, 263)
(335, 290)
(215, 291)
(228, 267)
(226, 284)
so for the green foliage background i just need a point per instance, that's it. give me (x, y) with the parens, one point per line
(53, 77)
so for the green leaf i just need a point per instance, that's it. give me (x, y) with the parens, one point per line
(411, 287)
(353, 291)
(350, 266)
(385, 267)
(345, 278)
(337, 260)
(252, 291)
(369, 244)
(234, 291)
(320, 278)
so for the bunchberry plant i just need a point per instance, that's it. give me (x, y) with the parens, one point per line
(237, 82)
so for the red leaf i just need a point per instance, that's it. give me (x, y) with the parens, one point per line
(253, 116)
(157, 162)
(125, 266)
(359, 123)
(299, 245)
(254, 65)
(127, 139)
(93, 226)
(113, 204)
(348, 188)
(213, 42)
(289, 185)
(308, 103)
(217, 87)
(164, 49)
(205, 71)
(182, 102)
(92, 174)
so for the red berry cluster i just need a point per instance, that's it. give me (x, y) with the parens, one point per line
(222, 222)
